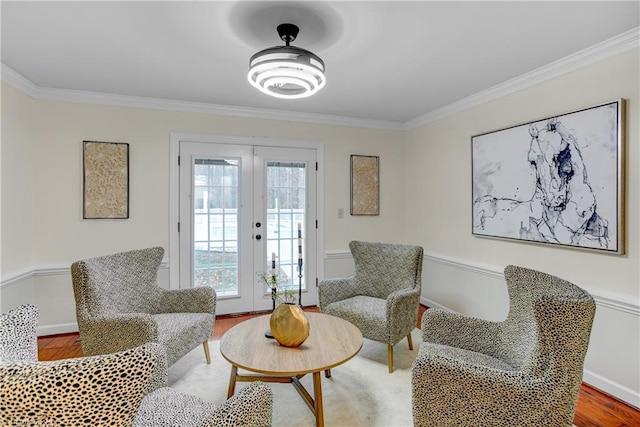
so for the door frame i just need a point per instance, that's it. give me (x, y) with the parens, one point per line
(174, 190)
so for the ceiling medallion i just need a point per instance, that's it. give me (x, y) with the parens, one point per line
(287, 72)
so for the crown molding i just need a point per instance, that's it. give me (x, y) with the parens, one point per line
(25, 85)
(616, 45)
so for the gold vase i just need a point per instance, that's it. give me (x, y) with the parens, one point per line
(289, 325)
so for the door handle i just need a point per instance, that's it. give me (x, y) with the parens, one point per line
(258, 237)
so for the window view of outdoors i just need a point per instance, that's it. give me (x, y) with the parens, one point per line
(286, 202)
(216, 198)
(216, 225)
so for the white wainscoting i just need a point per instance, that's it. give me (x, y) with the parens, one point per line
(450, 284)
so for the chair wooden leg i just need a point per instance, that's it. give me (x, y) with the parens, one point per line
(410, 341)
(206, 352)
(390, 357)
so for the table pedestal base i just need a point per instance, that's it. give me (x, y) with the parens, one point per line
(314, 403)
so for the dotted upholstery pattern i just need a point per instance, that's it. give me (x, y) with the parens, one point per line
(251, 406)
(117, 389)
(95, 391)
(119, 305)
(383, 296)
(18, 338)
(524, 371)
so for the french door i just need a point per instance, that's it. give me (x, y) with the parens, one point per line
(240, 207)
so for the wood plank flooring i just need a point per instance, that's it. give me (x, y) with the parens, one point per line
(595, 409)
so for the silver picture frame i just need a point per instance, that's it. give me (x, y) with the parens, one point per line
(557, 181)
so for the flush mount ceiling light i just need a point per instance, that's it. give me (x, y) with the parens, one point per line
(287, 72)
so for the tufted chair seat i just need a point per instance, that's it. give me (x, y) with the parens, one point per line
(119, 305)
(382, 297)
(523, 371)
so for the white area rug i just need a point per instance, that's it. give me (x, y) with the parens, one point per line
(360, 392)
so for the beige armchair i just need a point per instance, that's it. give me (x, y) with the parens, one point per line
(523, 371)
(124, 388)
(382, 298)
(119, 305)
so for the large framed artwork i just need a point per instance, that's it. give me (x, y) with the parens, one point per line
(365, 185)
(105, 180)
(556, 181)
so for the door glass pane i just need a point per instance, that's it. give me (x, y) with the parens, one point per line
(286, 202)
(215, 225)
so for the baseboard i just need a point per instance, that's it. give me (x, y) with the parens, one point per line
(611, 388)
(61, 328)
(432, 304)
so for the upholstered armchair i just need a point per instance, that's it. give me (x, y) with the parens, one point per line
(523, 371)
(119, 305)
(382, 298)
(122, 388)
(18, 338)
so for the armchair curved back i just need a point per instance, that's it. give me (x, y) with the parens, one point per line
(549, 320)
(125, 282)
(382, 268)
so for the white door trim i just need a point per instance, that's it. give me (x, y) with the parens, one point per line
(174, 194)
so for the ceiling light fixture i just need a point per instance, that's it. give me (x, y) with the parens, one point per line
(287, 72)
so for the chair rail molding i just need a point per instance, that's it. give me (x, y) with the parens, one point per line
(623, 303)
(615, 301)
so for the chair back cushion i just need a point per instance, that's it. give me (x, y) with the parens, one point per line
(18, 338)
(549, 319)
(97, 390)
(126, 282)
(382, 268)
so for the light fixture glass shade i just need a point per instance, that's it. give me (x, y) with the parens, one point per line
(286, 72)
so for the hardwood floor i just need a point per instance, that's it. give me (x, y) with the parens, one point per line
(595, 409)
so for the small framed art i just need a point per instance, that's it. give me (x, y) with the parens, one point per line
(105, 168)
(365, 185)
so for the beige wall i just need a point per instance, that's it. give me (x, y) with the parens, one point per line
(438, 174)
(17, 180)
(53, 146)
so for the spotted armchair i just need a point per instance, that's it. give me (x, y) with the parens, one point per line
(122, 388)
(524, 371)
(18, 339)
(382, 298)
(119, 305)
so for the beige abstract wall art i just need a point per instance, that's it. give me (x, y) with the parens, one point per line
(105, 180)
(365, 185)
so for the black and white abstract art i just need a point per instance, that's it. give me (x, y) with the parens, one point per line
(557, 180)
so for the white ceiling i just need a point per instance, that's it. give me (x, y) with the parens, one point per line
(389, 61)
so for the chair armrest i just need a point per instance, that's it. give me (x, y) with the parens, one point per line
(117, 332)
(160, 375)
(251, 406)
(453, 329)
(402, 312)
(332, 290)
(194, 300)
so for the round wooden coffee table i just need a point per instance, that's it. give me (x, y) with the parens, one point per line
(331, 342)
